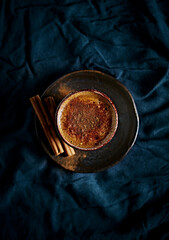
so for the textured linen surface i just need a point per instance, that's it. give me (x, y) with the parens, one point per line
(39, 42)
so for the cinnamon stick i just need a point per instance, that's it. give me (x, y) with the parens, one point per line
(44, 125)
(56, 139)
(51, 106)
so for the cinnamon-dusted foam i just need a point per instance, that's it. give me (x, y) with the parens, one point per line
(86, 119)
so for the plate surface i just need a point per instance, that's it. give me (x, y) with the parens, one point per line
(125, 136)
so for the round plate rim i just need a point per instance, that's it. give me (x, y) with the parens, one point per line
(134, 107)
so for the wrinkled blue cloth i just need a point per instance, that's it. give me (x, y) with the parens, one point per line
(39, 42)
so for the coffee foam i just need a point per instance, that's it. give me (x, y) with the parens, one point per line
(86, 119)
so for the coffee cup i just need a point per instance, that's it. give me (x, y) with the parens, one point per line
(86, 119)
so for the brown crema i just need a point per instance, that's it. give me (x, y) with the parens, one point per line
(86, 118)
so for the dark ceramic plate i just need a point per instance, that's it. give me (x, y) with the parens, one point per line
(125, 136)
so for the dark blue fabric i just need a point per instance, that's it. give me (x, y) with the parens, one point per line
(39, 42)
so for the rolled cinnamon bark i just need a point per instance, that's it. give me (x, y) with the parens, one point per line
(60, 148)
(51, 106)
(44, 124)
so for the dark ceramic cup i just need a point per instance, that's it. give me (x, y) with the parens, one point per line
(86, 119)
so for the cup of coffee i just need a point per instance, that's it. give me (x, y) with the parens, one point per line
(86, 119)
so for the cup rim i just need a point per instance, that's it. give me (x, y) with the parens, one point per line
(88, 90)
